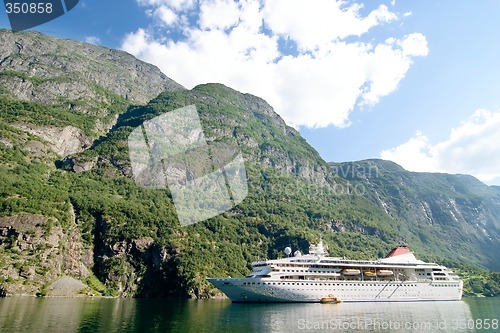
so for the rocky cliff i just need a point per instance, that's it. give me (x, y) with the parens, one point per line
(39, 68)
(78, 78)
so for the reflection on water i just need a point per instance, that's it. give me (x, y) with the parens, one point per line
(148, 315)
(107, 315)
(21, 314)
(359, 317)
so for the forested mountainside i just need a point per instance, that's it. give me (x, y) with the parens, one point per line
(70, 207)
(450, 214)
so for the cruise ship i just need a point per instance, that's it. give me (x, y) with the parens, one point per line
(398, 277)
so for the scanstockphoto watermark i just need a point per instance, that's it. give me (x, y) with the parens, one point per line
(346, 170)
(335, 180)
(204, 179)
(379, 324)
(287, 188)
(26, 14)
(355, 171)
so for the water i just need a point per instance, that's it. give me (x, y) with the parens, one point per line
(172, 316)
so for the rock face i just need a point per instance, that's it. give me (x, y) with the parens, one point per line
(33, 253)
(63, 141)
(86, 85)
(37, 251)
(78, 77)
(40, 68)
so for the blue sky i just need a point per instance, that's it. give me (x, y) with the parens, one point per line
(416, 82)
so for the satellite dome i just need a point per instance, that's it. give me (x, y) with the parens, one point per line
(288, 250)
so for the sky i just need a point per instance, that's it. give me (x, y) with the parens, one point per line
(415, 82)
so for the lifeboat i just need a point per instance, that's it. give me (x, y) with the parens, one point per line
(329, 299)
(351, 271)
(385, 272)
(370, 273)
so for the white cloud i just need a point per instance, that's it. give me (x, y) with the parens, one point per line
(414, 45)
(174, 4)
(220, 14)
(389, 63)
(415, 155)
(92, 40)
(317, 25)
(472, 148)
(166, 14)
(318, 81)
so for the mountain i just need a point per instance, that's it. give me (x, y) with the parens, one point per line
(69, 206)
(453, 215)
(82, 87)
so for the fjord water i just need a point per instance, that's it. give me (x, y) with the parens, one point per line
(162, 315)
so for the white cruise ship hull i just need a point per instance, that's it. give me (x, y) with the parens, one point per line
(274, 290)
